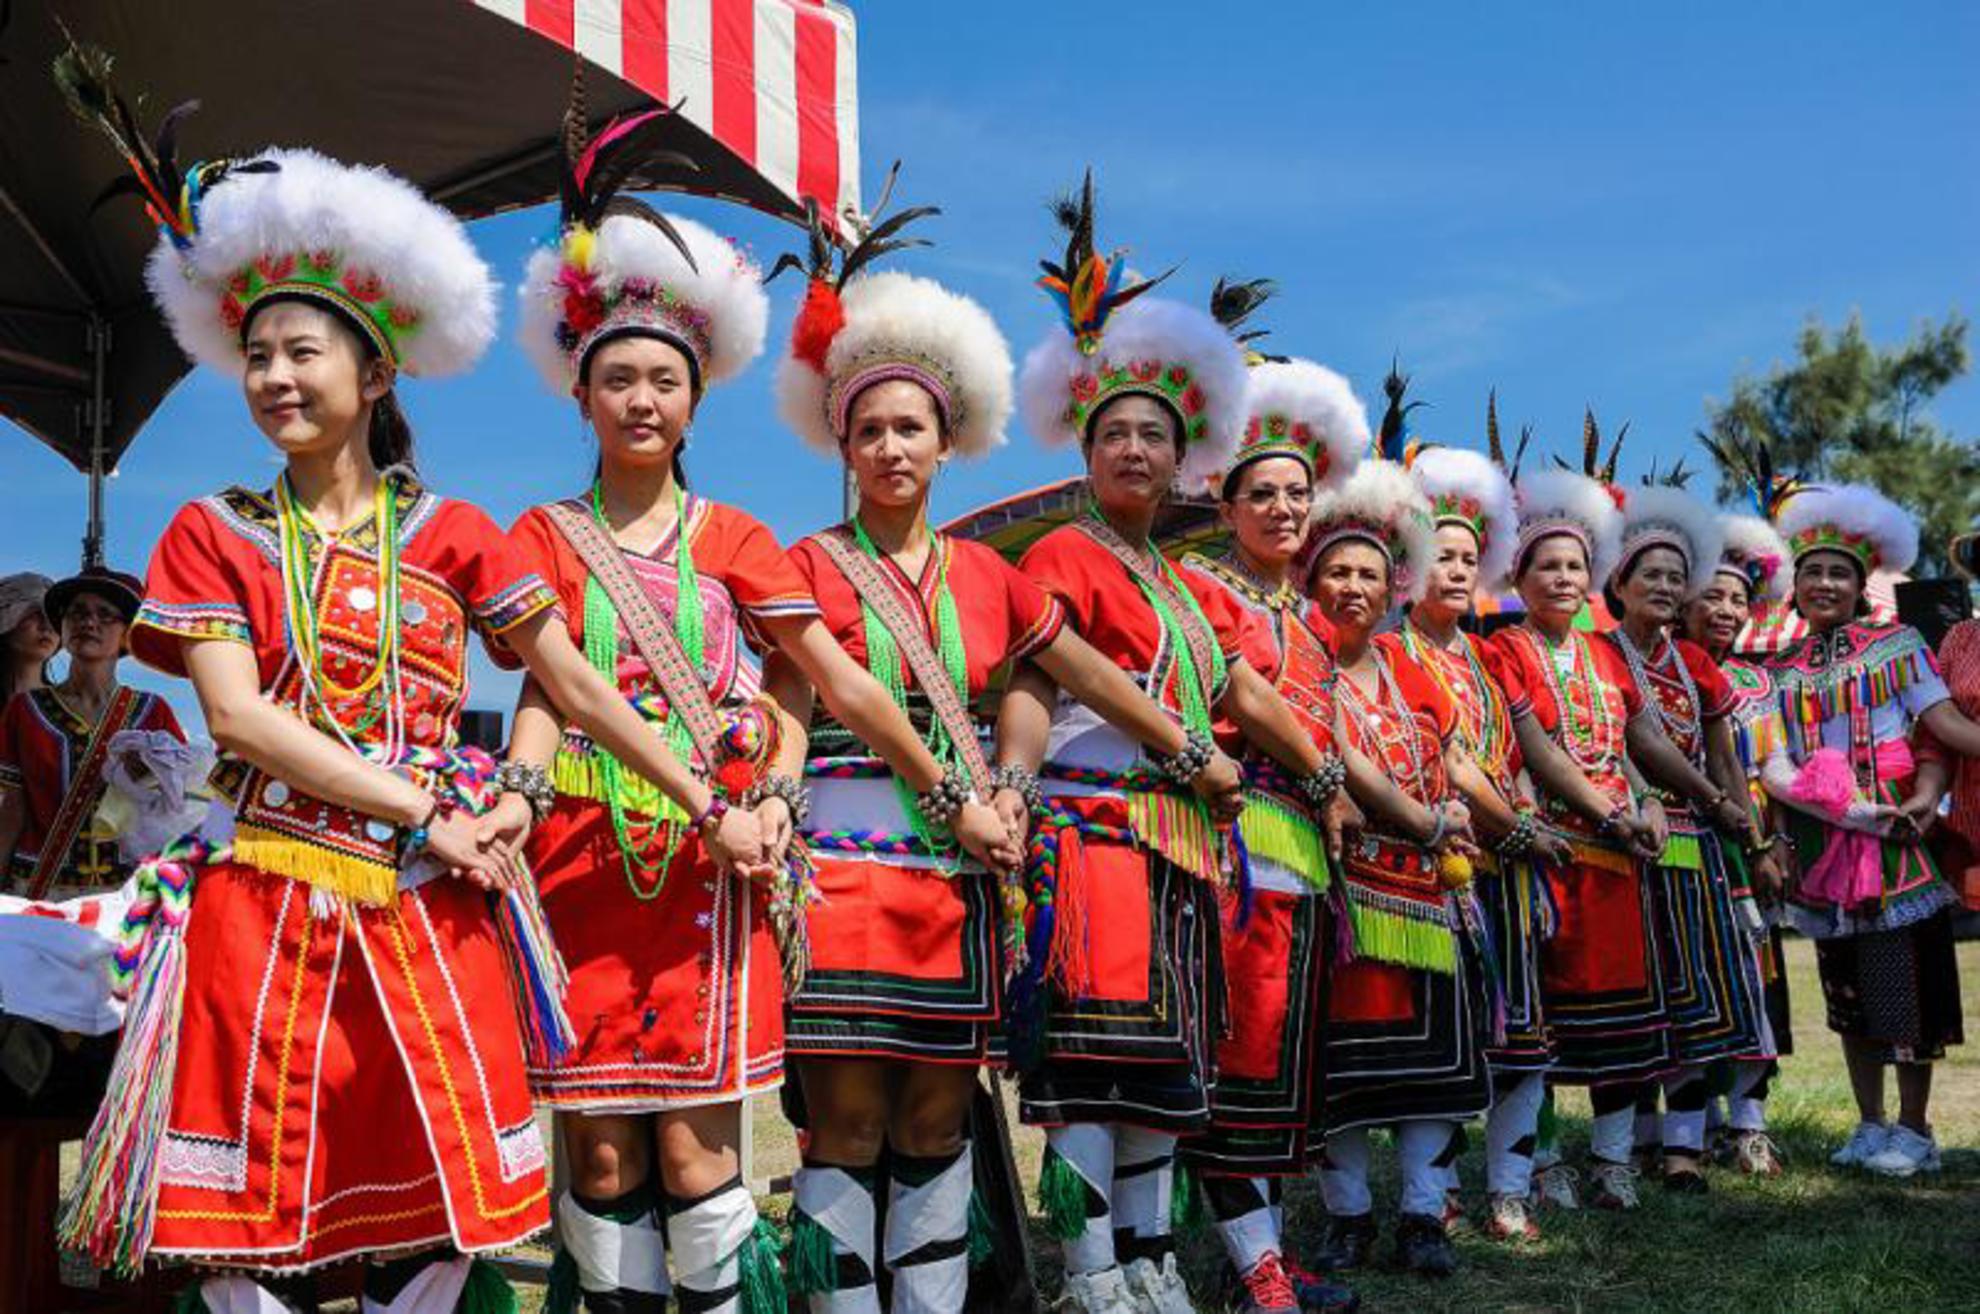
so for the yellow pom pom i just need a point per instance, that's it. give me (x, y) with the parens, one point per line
(580, 245)
(1454, 870)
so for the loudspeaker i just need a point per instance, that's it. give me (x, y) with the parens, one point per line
(1933, 606)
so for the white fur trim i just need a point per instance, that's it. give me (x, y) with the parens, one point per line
(369, 218)
(895, 317)
(1306, 392)
(1659, 515)
(724, 287)
(1446, 472)
(1382, 503)
(1750, 540)
(1856, 510)
(1556, 501)
(1144, 329)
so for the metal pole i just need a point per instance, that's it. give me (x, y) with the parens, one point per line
(98, 419)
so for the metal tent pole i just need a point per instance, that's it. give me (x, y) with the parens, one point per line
(97, 417)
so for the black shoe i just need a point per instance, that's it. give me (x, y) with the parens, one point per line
(1686, 1179)
(1422, 1246)
(1319, 1296)
(1347, 1243)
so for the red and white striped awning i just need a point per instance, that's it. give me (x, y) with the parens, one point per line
(772, 80)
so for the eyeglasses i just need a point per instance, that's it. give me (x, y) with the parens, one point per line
(1262, 499)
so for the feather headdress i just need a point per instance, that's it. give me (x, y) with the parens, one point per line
(291, 224)
(622, 267)
(1755, 551)
(1464, 488)
(1119, 343)
(1664, 516)
(1293, 408)
(1853, 519)
(1561, 501)
(1380, 504)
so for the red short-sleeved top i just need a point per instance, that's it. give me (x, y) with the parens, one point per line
(1684, 716)
(43, 743)
(1402, 727)
(216, 575)
(1287, 640)
(1004, 616)
(1110, 612)
(1483, 721)
(1601, 694)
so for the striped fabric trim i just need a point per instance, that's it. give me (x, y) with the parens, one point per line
(774, 81)
(196, 620)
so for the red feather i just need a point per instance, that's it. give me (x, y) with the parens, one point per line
(818, 321)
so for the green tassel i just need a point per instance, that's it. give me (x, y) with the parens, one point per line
(560, 1294)
(1389, 937)
(811, 1266)
(487, 1291)
(189, 1301)
(762, 1278)
(1186, 1211)
(982, 1232)
(1547, 1132)
(1062, 1197)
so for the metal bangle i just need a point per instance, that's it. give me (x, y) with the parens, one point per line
(1188, 762)
(1022, 780)
(530, 781)
(788, 788)
(1320, 785)
(945, 800)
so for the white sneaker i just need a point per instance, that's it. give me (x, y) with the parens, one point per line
(1158, 1290)
(1864, 1144)
(1612, 1186)
(1905, 1153)
(1557, 1186)
(1103, 1291)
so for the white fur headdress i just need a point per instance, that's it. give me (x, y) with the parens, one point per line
(1564, 502)
(1755, 551)
(1658, 515)
(629, 276)
(1379, 503)
(1304, 410)
(897, 326)
(1171, 352)
(1466, 489)
(396, 266)
(1853, 519)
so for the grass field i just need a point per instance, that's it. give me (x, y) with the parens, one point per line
(1816, 1239)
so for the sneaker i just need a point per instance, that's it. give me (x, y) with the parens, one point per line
(1266, 1289)
(1557, 1186)
(1454, 1220)
(1510, 1218)
(1904, 1154)
(1316, 1294)
(1422, 1246)
(1684, 1175)
(1158, 1288)
(1722, 1146)
(1754, 1153)
(1864, 1144)
(1612, 1186)
(1103, 1291)
(1347, 1243)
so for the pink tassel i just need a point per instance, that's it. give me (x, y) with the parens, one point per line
(1826, 781)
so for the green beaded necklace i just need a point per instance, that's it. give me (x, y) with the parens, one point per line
(883, 659)
(601, 649)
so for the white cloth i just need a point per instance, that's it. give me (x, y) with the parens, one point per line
(1089, 1148)
(934, 1212)
(55, 960)
(1344, 1175)
(842, 1205)
(1250, 1236)
(437, 1290)
(236, 1293)
(1141, 1199)
(1514, 1121)
(1419, 1144)
(610, 1255)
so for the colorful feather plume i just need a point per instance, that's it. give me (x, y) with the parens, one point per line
(1087, 287)
(170, 195)
(597, 169)
(1392, 440)
(1751, 464)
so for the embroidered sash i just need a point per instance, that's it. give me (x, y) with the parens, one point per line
(85, 791)
(1196, 633)
(944, 700)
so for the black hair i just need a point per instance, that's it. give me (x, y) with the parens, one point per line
(694, 390)
(390, 439)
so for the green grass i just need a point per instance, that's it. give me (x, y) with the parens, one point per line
(1815, 1239)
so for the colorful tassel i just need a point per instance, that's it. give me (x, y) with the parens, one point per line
(1187, 1212)
(486, 1292)
(1390, 937)
(982, 1234)
(762, 1278)
(561, 1292)
(1276, 832)
(1061, 1197)
(538, 977)
(361, 880)
(811, 1265)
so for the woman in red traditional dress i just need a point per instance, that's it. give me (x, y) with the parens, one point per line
(1600, 987)
(1122, 994)
(349, 1074)
(1471, 501)
(1752, 569)
(902, 999)
(1304, 431)
(1670, 547)
(1407, 1018)
(677, 989)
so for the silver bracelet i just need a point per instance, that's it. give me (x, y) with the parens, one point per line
(1023, 781)
(788, 788)
(945, 800)
(530, 781)
(1321, 785)
(1188, 762)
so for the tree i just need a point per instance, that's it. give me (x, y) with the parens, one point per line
(1850, 410)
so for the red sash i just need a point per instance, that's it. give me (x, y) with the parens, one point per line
(85, 791)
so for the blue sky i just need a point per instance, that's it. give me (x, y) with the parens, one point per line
(1577, 203)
